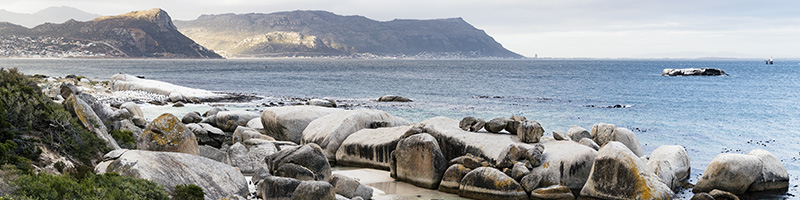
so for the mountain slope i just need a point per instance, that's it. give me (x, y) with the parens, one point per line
(147, 33)
(51, 14)
(321, 33)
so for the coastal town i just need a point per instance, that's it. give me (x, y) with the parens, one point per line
(52, 47)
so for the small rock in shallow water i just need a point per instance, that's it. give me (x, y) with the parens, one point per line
(393, 98)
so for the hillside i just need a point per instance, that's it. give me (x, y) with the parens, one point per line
(321, 33)
(137, 34)
(51, 14)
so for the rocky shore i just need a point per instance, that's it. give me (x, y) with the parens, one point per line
(291, 151)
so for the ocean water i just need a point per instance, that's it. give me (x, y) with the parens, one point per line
(756, 106)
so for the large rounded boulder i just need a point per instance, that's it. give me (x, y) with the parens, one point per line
(530, 131)
(576, 133)
(207, 134)
(287, 123)
(371, 147)
(490, 183)
(169, 169)
(773, 174)
(729, 172)
(617, 173)
(677, 158)
(604, 133)
(331, 130)
(418, 160)
(565, 163)
(229, 120)
(451, 180)
(167, 133)
(350, 187)
(249, 155)
(306, 162)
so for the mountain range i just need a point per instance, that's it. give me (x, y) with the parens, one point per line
(51, 14)
(322, 33)
(153, 34)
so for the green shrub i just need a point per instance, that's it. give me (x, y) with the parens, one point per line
(28, 118)
(188, 192)
(124, 138)
(106, 186)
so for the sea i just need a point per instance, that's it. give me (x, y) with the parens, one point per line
(756, 106)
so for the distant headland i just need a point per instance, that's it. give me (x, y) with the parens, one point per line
(153, 34)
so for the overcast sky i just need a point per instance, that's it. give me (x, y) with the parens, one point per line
(549, 28)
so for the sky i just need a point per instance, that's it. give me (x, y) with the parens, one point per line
(547, 28)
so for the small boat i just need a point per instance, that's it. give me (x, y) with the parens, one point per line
(769, 62)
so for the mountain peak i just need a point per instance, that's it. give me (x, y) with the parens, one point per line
(155, 15)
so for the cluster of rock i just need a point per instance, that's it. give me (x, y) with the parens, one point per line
(96, 117)
(303, 172)
(502, 158)
(441, 153)
(693, 72)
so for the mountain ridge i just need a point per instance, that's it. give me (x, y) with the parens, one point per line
(323, 33)
(137, 34)
(55, 14)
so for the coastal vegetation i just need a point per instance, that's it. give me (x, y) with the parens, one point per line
(30, 121)
(31, 125)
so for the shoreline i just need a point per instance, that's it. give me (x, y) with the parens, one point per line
(196, 105)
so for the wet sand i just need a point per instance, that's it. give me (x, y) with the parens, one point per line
(385, 187)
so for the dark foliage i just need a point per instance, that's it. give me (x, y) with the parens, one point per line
(28, 118)
(188, 192)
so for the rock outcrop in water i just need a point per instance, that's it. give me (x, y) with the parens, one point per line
(693, 72)
(759, 170)
(321, 33)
